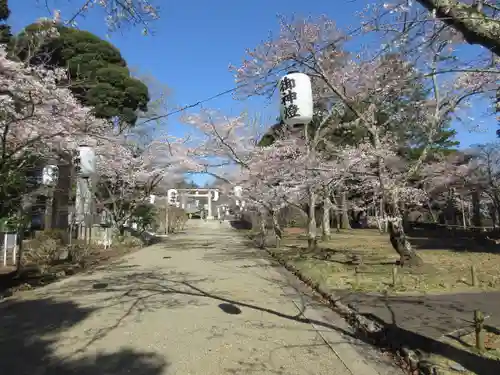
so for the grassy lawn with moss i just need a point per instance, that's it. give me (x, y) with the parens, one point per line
(363, 260)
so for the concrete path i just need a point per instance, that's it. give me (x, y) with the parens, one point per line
(202, 303)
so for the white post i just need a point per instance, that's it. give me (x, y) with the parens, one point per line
(166, 216)
(209, 216)
(80, 207)
(4, 250)
(14, 251)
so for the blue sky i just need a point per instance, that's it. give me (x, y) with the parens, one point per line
(194, 42)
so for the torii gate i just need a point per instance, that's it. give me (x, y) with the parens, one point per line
(212, 195)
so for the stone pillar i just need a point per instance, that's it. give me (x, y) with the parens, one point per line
(61, 200)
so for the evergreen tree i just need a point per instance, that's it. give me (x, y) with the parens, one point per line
(98, 73)
(5, 34)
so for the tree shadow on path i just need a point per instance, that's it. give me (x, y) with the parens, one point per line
(28, 334)
(398, 337)
(149, 285)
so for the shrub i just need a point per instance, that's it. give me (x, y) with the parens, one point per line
(45, 249)
(145, 215)
(79, 252)
(55, 234)
(126, 241)
(177, 218)
(292, 217)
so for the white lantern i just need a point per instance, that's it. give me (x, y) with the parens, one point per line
(237, 191)
(87, 161)
(172, 196)
(197, 203)
(49, 175)
(215, 195)
(152, 198)
(296, 101)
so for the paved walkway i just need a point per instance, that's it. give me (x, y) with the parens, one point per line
(201, 303)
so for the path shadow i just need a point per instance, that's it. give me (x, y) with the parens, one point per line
(469, 244)
(455, 240)
(28, 334)
(241, 224)
(397, 337)
(236, 252)
(146, 238)
(154, 289)
(419, 323)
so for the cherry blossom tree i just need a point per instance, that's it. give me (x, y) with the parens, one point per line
(477, 21)
(227, 149)
(127, 177)
(119, 14)
(222, 141)
(449, 23)
(40, 121)
(483, 179)
(272, 177)
(364, 86)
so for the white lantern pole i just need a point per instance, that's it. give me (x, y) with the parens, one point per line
(86, 168)
(296, 109)
(172, 196)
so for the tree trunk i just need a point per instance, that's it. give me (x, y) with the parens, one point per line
(380, 218)
(495, 210)
(476, 209)
(278, 232)
(450, 208)
(24, 207)
(311, 225)
(325, 227)
(20, 252)
(493, 213)
(462, 208)
(262, 230)
(336, 213)
(407, 254)
(431, 211)
(345, 212)
(469, 20)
